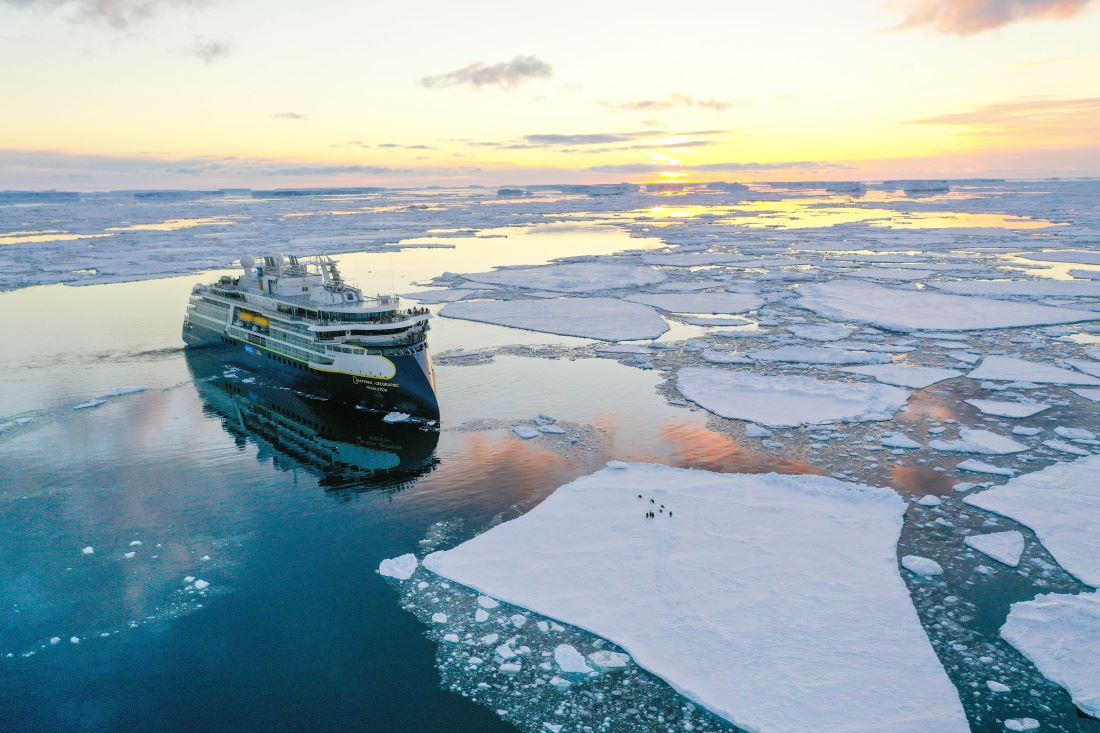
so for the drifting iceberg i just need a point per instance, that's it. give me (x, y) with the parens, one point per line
(726, 579)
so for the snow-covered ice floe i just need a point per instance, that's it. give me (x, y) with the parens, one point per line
(606, 319)
(903, 375)
(982, 442)
(700, 302)
(1004, 547)
(772, 629)
(1011, 369)
(817, 355)
(1061, 503)
(784, 401)
(912, 310)
(580, 277)
(1060, 634)
(1009, 409)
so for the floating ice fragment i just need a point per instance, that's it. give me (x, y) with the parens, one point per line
(511, 667)
(1009, 409)
(401, 567)
(725, 303)
(1064, 447)
(201, 584)
(922, 566)
(570, 660)
(607, 661)
(583, 277)
(757, 431)
(828, 332)
(929, 500)
(189, 579)
(903, 375)
(120, 391)
(505, 651)
(135, 543)
(89, 550)
(129, 555)
(995, 686)
(451, 638)
(1017, 724)
(973, 465)
(560, 683)
(607, 319)
(88, 404)
(439, 618)
(518, 620)
(1079, 434)
(617, 465)
(1088, 394)
(1025, 431)
(74, 639)
(552, 429)
(481, 615)
(54, 640)
(982, 442)
(817, 355)
(899, 440)
(1009, 369)
(1004, 547)
(396, 417)
(525, 431)
(487, 602)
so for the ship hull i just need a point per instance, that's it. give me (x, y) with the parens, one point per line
(411, 389)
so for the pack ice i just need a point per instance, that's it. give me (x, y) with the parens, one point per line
(773, 629)
(607, 319)
(1061, 503)
(914, 310)
(586, 277)
(785, 401)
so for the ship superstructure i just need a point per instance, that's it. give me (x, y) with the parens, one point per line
(300, 319)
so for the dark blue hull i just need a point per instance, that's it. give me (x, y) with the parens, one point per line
(411, 390)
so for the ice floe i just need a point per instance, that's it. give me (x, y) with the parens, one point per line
(1009, 409)
(674, 592)
(982, 442)
(912, 310)
(1060, 634)
(1004, 547)
(580, 277)
(782, 400)
(715, 303)
(1061, 503)
(903, 375)
(606, 319)
(817, 355)
(401, 567)
(922, 566)
(1012, 369)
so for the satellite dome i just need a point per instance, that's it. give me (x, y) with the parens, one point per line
(247, 262)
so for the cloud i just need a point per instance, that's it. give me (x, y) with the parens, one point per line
(209, 49)
(611, 141)
(1054, 121)
(676, 100)
(119, 14)
(728, 167)
(295, 116)
(967, 17)
(506, 74)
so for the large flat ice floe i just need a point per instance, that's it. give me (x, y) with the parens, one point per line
(1060, 634)
(1011, 369)
(607, 319)
(903, 375)
(897, 309)
(581, 277)
(773, 629)
(700, 302)
(784, 401)
(1061, 504)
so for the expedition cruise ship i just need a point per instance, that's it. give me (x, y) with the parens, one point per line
(301, 322)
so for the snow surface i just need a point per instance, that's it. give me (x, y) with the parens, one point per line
(783, 401)
(726, 303)
(910, 310)
(1004, 547)
(1060, 634)
(606, 319)
(774, 630)
(1011, 369)
(1009, 409)
(1061, 503)
(903, 375)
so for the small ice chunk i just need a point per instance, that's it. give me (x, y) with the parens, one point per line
(995, 686)
(929, 500)
(570, 660)
(982, 442)
(481, 615)
(1009, 409)
(552, 429)
(89, 550)
(401, 567)
(607, 661)
(757, 431)
(187, 579)
(1011, 369)
(554, 727)
(617, 465)
(518, 620)
(487, 602)
(1025, 431)
(511, 667)
(1016, 724)
(975, 466)
(55, 640)
(489, 639)
(923, 566)
(525, 431)
(88, 404)
(397, 417)
(451, 638)
(129, 555)
(201, 584)
(1064, 447)
(74, 639)
(899, 440)
(504, 651)
(560, 683)
(439, 617)
(1004, 547)
(1074, 433)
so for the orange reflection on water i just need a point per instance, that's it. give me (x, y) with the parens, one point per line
(920, 480)
(171, 225)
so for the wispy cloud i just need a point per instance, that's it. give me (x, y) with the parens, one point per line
(505, 75)
(676, 100)
(292, 116)
(1041, 120)
(210, 50)
(119, 14)
(599, 142)
(727, 167)
(967, 17)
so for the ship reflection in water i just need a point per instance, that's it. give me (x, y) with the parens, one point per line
(348, 450)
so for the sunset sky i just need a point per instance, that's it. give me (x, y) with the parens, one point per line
(104, 94)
